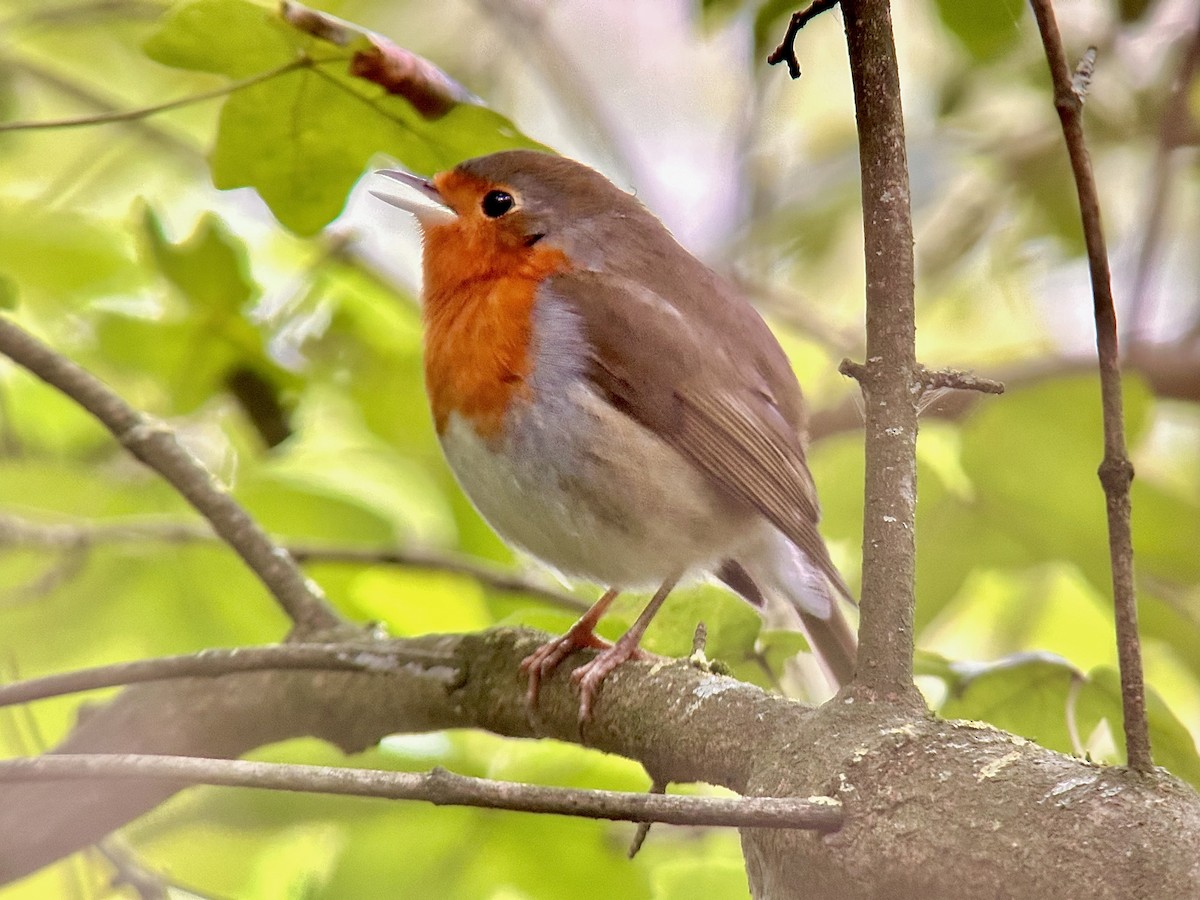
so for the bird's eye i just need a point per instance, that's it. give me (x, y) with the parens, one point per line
(497, 203)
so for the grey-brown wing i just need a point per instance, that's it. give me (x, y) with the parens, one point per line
(726, 419)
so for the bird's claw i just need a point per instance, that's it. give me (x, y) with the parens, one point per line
(542, 662)
(591, 674)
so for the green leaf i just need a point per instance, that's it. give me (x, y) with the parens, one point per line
(228, 37)
(986, 28)
(779, 646)
(296, 862)
(1032, 456)
(1042, 177)
(184, 364)
(769, 26)
(62, 255)
(926, 662)
(687, 879)
(209, 267)
(191, 351)
(8, 293)
(1171, 743)
(1026, 694)
(1166, 532)
(303, 138)
(731, 623)
(334, 456)
(411, 602)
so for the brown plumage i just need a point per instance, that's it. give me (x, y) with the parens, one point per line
(611, 404)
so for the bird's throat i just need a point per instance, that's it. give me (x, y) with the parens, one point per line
(478, 312)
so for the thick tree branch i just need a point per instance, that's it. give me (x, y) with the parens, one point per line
(155, 445)
(923, 800)
(1116, 471)
(890, 379)
(438, 787)
(213, 664)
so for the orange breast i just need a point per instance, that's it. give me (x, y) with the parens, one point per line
(478, 307)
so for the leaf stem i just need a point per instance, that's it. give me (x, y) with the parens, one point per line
(132, 115)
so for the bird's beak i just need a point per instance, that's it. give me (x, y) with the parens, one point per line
(428, 205)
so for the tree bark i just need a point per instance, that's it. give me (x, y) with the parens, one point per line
(933, 809)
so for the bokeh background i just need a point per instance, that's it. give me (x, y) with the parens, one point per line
(272, 319)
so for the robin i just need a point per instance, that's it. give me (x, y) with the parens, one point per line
(611, 405)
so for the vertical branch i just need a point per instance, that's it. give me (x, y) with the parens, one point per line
(1116, 471)
(890, 381)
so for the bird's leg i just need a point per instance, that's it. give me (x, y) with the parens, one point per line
(590, 675)
(542, 662)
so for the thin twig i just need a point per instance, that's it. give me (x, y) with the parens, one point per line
(786, 51)
(131, 115)
(438, 787)
(75, 14)
(1171, 370)
(155, 445)
(489, 576)
(1116, 471)
(128, 871)
(217, 662)
(643, 830)
(75, 537)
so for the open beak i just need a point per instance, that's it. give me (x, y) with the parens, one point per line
(424, 201)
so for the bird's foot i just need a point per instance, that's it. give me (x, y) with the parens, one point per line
(591, 674)
(542, 662)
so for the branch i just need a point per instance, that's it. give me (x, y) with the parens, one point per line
(1116, 471)
(215, 663)
(439, 787)
(132, 115)
(911, 786)
(957, 380)
(1171, 370)
(421, 559)
(155, 445)
(430, 91)
(891, 379)
(16, 531)
(75, 13)
(786, 51)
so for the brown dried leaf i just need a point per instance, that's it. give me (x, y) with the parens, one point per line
(431, 91)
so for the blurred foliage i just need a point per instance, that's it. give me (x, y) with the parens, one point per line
(273, 328)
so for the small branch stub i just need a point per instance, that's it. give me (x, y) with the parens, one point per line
(786, 51)
(957, 380)
(1081, 82)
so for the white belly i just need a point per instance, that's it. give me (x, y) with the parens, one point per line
(593, 494)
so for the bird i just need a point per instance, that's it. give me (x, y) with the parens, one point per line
(611, 405)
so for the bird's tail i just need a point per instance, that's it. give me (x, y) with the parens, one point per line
(777, 569)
